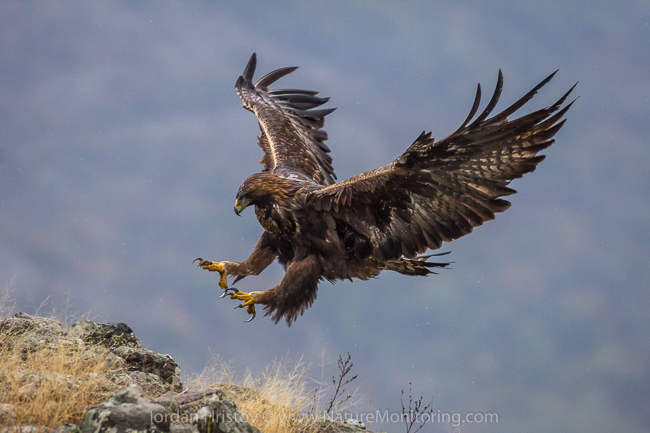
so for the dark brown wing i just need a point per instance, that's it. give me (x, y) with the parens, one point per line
(437, 192)
(291, 137)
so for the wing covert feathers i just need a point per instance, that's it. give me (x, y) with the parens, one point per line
(292, 135)
(439, 191)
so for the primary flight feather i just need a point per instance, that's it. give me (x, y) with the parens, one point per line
(378, 220)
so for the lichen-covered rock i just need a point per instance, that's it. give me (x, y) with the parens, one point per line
(30, 332)
(221, 416)
(183, 428)
(128, 410)
(133, 409)
(37, 327)
(150, 362)
(150, 383)
(25, 429)
(206, 412)
(65, 428)
(109, 335)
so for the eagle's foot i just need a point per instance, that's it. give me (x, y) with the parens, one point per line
(248, 298)
(214, 267)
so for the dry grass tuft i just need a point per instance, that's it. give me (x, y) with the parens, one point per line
(45, 385)
(282, 399)
(46, 388)
(7, 305)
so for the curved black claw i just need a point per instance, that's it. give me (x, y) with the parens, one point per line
(201, 262)
(249, 300)
(253, 313)
(225, 292)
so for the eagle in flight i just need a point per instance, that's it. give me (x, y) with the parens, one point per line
(378, 220)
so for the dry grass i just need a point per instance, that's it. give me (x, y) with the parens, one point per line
(7, 305)
(46, 388)
(282, 399)
(47, 384)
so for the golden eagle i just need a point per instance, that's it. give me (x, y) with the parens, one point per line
(379, 220)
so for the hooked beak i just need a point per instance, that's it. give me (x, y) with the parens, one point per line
(240, 206)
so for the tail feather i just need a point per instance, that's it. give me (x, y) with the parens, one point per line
(417, 265)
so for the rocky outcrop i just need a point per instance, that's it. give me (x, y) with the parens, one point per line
(130, 409)
(128, 363)
(141, 389)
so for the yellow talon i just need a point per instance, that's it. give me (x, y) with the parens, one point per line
(249, 302)
(243, 296)
(215, 267)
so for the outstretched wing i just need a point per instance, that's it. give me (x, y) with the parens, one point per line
(437, 192)
(292, 135)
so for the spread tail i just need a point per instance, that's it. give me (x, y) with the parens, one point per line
(417, 265)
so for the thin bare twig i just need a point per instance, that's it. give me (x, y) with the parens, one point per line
(416, 412)
(344, 369)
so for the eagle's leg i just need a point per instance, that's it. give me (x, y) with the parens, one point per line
(262, 256)
(249, 301)
(289, 299)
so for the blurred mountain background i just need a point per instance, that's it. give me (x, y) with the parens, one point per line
(122, 145)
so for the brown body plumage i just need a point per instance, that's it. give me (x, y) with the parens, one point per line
(379, 220)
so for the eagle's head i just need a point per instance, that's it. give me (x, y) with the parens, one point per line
(262, 189)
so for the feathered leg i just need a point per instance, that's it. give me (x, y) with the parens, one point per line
(289, 299)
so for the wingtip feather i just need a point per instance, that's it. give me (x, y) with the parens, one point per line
(493, 101)
(249, 71)
(274, 76)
